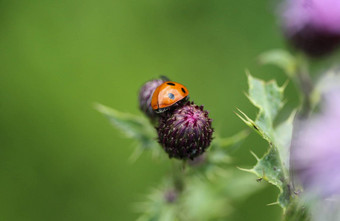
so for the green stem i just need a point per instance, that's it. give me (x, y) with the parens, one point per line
(305, 85)
(178, 175)
(296, 210)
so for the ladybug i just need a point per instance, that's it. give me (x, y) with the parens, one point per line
(167, 95)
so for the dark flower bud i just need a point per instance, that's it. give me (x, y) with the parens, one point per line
(170, 196)
(312, 26)
(186, 132)
(145, 95)
(315, 43)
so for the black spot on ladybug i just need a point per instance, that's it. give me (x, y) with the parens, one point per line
(171, 96)
(172, 84)
(183, 90)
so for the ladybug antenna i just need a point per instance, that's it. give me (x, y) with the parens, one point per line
(164, 78)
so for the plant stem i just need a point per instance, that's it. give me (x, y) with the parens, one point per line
(178, 171)
(297, 211)
(306, 87)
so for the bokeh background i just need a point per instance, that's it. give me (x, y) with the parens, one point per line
(62, 160)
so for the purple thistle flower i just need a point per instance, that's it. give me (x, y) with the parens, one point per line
(186, 132)
(145, 96)
(312, 26)
(316, 149)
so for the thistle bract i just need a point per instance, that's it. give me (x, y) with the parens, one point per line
(145, 95)
(186, 132)
(312, 26)
(316, 150)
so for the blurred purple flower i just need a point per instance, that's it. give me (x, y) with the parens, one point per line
(312, 26)
(316, 149)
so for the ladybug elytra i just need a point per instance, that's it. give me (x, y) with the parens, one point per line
(168, 94)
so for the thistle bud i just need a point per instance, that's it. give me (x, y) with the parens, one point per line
(186, 132)
(145, 95)
(312, 26)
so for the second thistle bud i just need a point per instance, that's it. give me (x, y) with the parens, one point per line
(186, 132)
(145, 95)
(312, 26)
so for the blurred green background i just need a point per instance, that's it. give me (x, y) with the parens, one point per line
(62, 160)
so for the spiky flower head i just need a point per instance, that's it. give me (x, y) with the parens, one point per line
(312, 26)
(186, 132)
(316, 149)
(145, 96)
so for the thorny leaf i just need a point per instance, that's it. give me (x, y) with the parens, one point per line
(274, 165)
(135, 127)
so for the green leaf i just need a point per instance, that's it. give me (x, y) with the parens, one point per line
(280, 58)
(283, 137)
(135, 127)
(216, 161)
(201, 199)
(270, 169)
(205, 200)
(273, 166)
(268, 98)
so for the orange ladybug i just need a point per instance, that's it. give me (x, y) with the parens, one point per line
(168, 94)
